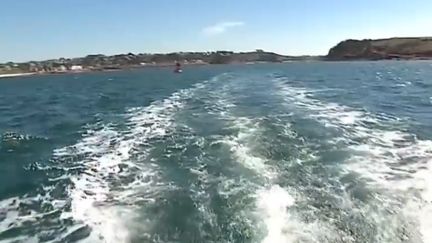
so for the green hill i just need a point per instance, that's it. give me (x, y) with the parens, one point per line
(393, 48)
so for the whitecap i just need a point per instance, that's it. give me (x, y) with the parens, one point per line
(107, 150)
(274, 203)
(103, 155)
(393, 160)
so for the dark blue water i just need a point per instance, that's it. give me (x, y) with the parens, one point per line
(295, 152)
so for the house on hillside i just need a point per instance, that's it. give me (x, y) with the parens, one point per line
(76, 68)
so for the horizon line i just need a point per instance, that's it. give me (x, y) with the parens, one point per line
(157, 53)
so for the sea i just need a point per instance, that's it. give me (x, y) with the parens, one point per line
(300, 152)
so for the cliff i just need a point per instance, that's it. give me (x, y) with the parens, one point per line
(393, 48)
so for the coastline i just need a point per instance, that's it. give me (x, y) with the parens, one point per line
(104, 70)
(100, 62)
(165, 65)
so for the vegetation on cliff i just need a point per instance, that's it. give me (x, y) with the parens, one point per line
(393, 48)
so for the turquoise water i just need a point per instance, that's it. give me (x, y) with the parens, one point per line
(296, 152)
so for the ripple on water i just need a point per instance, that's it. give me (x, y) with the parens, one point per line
(393, 163)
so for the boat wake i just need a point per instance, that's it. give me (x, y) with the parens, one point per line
(224, 161)
(105, 177)
(393, 163)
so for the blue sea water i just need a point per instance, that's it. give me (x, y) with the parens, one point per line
(294, 152)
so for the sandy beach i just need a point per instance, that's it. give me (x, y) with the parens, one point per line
(14, 75)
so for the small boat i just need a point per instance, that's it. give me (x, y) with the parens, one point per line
(178, 68)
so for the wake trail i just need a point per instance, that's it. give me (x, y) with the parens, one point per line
(396, 164)
(273, 202)
(108, 174)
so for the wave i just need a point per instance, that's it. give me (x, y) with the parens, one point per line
(254, 179)
(273, 212)
(11, 141)
(105, 176)
(123, 155)
(389, 159)
(274, 204)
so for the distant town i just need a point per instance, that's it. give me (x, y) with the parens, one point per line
(101, 62)
(414, 48)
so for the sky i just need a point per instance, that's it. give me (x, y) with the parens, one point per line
(45, 29)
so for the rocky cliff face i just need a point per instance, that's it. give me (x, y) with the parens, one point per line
(394, 48)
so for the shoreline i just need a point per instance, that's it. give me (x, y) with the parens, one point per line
(11, 75)
(102, 70)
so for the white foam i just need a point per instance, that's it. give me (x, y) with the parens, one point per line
(425, 214)
(388, 158)
(382, 161)
(106, 150)
(240, 147)
(274, 203)
(11, 210)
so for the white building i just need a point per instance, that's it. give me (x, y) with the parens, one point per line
(76, 68)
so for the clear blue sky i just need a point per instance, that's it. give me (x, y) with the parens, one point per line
(41, 29)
